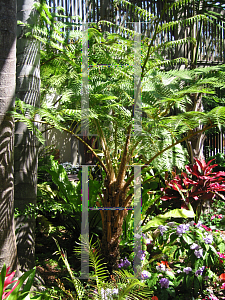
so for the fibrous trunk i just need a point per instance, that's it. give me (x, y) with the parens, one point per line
(112, 221)
(195, 144)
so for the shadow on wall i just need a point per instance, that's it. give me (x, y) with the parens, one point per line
(62, 141)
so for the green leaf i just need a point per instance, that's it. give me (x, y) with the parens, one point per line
(187, 238)
(161, 219)
(14, 294)
(173, 237)
(2, 280)
(28, 286)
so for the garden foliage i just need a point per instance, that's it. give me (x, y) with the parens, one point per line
(166, 89)
(197, 186)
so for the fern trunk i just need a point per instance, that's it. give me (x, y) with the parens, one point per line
(112, 221)
(195, 144)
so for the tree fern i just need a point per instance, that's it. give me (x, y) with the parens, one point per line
(166, 95)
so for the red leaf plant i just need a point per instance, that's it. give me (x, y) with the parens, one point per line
(8, 278)
(196, 186)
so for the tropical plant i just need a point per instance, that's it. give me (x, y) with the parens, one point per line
(157, 134)
(195, 187)
(192, 254)
(123, 284)
(9, 292)
(59, 200)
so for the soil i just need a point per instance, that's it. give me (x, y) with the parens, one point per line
(48, 264)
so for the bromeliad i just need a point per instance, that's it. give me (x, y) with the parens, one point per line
(8, 277)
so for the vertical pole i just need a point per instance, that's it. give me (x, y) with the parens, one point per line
(137, 108)
(84, 226)
(137, 219)
(137, 111)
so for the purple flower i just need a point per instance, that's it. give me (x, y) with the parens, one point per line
(141, 254)
(199, 224)
(145, 274)
(187, 270)
(107, 293)
(147, 240)
(200, 271)
(137, 236)
(164, 283)
(194, 246)
(162, 229)
(182, 228)
(198, 253)
(208, 239)
(124, 263)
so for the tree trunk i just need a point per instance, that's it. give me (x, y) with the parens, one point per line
(196, 143)
(8, 252)
(26, 145)
(112, 221)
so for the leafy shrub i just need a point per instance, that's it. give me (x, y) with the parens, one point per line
(13, 292)
(196, 187)
(194, 259)
(122, 285)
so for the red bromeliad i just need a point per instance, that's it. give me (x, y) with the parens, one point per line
(196, 186)
(8, 278)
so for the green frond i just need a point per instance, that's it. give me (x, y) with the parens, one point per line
(26, 113)
(133, 287)
(217, 116)
(171, 44)
(77, 283)
(95, 261)
(137, 10)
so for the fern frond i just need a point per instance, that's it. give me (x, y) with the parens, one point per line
(77, 284)
(100, 271)
(137, 10)
(133, 287)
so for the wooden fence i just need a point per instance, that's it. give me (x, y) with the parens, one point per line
(214, 143)
(211, 44)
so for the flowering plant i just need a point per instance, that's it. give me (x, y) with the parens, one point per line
(195, 251)
(8, 278)
(13, 293)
